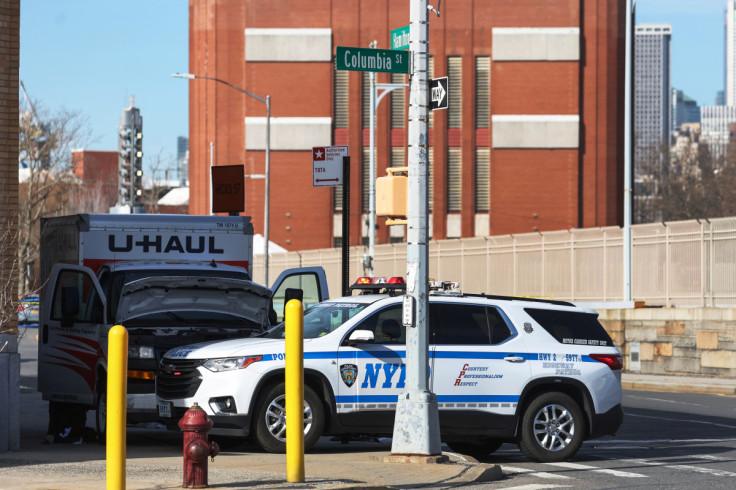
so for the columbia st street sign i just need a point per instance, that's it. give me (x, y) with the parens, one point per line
(377, 60)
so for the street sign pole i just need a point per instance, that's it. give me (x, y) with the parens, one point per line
(417, 427)
(368, 261)
(345, 226)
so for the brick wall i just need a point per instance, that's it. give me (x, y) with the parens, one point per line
(531, 189)
(9, 52)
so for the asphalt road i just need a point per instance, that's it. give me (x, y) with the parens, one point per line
(668, 440)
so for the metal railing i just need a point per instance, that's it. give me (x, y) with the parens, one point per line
(683, 263)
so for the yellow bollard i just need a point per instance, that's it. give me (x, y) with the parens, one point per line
(117, 377)
(294, 391)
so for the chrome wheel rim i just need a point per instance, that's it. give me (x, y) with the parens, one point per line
(276, 418)
(554, 427)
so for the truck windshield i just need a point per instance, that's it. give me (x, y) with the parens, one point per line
(321, 319)
(118, 279)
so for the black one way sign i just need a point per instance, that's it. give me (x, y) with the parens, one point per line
(438, 93)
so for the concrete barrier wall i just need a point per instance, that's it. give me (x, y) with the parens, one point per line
(676, 341)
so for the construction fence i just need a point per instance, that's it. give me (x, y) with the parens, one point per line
(681, 264)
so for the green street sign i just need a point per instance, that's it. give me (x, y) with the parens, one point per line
(366, 59)
(400, 38)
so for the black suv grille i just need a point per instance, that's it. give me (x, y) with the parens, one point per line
(178, 378)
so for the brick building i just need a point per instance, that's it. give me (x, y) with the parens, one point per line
(532, 139)
(98, 171)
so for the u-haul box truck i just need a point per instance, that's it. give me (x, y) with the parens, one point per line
(170, 280)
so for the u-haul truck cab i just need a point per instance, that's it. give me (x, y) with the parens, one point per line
(192, 272)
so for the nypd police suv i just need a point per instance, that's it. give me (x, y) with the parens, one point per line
(543, 374)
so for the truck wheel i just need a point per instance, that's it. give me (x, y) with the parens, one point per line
(270, 420)
(476, 449)
(101, 412)
(552, 428)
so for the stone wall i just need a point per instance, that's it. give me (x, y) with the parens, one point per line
(677, 341)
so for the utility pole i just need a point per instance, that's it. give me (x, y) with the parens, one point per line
(417, 427)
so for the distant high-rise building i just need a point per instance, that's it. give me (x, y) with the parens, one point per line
(653, 90)
(652, 113)
(182, 159)
(715, 122)
(730, 53)
(720, 98)
(684, 110)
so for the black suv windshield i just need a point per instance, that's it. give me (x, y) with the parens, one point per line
(321, 319)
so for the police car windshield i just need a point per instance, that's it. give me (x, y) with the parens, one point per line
(321, 319)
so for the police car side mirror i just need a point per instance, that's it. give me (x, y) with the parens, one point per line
(69, 305)
(360, 337)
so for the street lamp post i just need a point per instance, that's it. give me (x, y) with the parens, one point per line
(267, 205)
(374, 101)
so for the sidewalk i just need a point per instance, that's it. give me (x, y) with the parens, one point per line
(62, 466)
(155, 462)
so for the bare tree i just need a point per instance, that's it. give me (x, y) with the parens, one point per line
(160, 171)
(690, 188)
(10, 271)
(44, 156)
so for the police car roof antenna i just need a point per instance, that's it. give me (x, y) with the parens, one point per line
(431, 9)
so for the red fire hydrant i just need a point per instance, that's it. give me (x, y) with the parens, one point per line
(196, 424)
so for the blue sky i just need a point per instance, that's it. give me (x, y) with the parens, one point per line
(90, 55)
(697, 42)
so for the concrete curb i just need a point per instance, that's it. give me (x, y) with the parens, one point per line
(678, 388)
(678, 384)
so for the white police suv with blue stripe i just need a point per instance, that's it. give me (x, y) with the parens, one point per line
(543, 374)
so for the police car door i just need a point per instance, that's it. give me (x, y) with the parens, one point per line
(371, 375)
(73, 335)
(480, 365)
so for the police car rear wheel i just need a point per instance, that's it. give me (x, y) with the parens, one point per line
(552, 428)
(270, 423)
(476, 449)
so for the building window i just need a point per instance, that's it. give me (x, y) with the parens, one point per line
(398, 156)
(398, 102)
(482, 180)
(341, 99)
(430, 75)
(482, 92)
(454, 92)
(431, 178)
(366, 99)
(454, 179)
(366, 169)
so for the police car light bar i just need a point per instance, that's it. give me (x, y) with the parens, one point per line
(377, 285)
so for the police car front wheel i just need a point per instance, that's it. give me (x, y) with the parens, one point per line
(270, 421)
(552, 428)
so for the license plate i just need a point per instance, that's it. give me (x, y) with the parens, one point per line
(165, 409)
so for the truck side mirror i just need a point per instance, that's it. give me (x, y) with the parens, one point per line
(69, 305)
